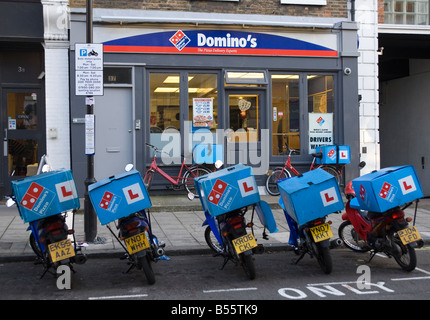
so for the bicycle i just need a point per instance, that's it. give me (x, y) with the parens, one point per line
(186, 179)
(287, 171)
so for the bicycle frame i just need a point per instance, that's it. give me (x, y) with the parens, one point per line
(155, 168)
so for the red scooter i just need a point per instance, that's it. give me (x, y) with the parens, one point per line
(387, 232)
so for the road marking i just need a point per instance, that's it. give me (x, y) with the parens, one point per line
(411, 278)
(228, 290)
(118, 297)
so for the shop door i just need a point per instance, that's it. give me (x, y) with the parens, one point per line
(114, 132)
(23, 130)
(245, 122)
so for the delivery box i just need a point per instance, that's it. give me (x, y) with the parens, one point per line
(334, 154)
(387, 188)
(45, 194)
(312, 195)
(119, 196)
(227, 189)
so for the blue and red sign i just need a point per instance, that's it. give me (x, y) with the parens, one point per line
(218, 42)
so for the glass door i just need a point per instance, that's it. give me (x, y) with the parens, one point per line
(23, 133)
(246, 129)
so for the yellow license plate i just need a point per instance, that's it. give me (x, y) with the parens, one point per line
(244, 243)
(137, 243)
(322, 232)
(61, 250)
(409, 235)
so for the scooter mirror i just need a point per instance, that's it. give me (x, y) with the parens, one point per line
(190, 196)
(218, 164)
(10, 202)
(129, 167)
(362, 164)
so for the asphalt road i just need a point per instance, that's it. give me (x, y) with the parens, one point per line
(188, 278)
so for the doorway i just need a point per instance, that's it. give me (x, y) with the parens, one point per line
(23, 131)
(245, 121)
(114, 138)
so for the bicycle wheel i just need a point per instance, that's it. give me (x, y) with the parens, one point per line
(333, 171)
(190, 174)
(147, 179)
(272, 180)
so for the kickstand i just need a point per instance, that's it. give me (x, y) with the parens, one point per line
(131, 267)
(300, 258)
(372, 254)
(226, 259)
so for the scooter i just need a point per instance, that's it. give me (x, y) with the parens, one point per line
(227, 236)
(387, 232)
(312, 238)
(226, 232)
(135, 236)
(49, 236)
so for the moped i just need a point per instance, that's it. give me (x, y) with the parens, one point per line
(135, 234)
(386, 232)
(50, 237)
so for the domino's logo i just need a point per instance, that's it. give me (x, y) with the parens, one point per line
(320, 121)
(222, 194)
(110, 202)
(387, 192)
(37, 199)
(179, 40)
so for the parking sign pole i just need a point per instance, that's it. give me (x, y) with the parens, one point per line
(90, 218)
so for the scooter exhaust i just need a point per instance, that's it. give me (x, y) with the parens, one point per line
(336, 243)
(160, 252)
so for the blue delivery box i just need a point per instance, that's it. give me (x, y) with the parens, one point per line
(334, 154)
(387, 188)
(119, 196)
(310, 196)
(45, 194)
(227, 189)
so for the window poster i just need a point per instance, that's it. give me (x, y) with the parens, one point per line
(320, 130)
(203, 112)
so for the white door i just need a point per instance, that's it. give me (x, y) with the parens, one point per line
(113, 132)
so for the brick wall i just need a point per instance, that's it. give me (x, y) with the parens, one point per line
(334, 8)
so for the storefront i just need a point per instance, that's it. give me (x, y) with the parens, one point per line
(250, 88)
(22, 99)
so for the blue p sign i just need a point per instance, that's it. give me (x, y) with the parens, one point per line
(83, 52)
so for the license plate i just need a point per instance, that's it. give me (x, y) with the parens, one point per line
(244, 243)
(136, 243)
(409, 235)
(322, 232)
(61, 250)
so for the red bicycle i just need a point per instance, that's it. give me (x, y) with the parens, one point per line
(288, 171)
(185, 176)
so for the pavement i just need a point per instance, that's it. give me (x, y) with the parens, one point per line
(175, 220)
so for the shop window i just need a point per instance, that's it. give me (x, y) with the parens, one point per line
(321, 110)
(164, 109)
(245, 77)
(285, 113)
